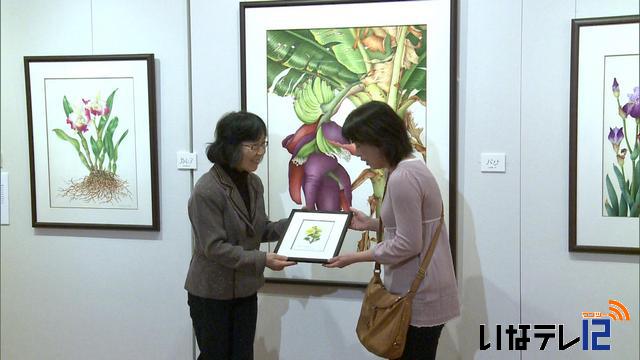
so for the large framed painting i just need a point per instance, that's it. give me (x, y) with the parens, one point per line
(92, 141)
(307, 64)
(604, 196)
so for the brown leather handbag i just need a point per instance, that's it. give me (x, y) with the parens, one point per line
(385, 317)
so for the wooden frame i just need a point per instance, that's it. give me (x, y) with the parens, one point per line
(270, 90)
(603, 207)
(92, 141)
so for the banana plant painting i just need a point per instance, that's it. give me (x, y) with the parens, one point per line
(91, 118)
(321, 70)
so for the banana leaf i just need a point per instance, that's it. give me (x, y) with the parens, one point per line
(341, 43)
(296, 51)
(379, 55)
(273, 70)
(373, 52)
(420, 49)
(288, 83)
(415, 78)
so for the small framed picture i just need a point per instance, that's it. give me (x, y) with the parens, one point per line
(313, 236)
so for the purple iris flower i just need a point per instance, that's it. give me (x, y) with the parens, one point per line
(615, 136)
(615, 88)
(632, 108)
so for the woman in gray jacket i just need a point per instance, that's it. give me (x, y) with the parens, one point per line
(228, 218)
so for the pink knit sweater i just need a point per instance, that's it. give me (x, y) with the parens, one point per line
(410, 214)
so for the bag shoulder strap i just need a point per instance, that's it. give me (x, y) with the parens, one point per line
(379, 233)
(422, 271)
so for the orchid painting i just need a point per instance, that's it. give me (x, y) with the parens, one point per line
(622, 177)
(324, 73)
(93, 134)
(92, 141)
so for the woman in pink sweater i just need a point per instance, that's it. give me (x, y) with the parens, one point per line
(410, 213)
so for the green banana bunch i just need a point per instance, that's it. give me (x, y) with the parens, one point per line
(310, 98)
(360, 98)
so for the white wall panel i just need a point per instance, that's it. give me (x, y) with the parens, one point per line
(557, 285)
(82, 294)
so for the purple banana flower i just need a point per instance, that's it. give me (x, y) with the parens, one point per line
(325, 183)
(321, 191)
(333, 132)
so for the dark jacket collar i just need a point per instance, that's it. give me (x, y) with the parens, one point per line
(247, 215)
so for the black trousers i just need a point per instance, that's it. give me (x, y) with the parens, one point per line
(422, 343)
(225, 329)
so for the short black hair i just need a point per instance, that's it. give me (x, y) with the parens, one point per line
(375, 123)
(232, 129)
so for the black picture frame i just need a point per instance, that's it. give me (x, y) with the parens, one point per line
(328, 244)
(254, 81)
(592, 103)
(92, 141)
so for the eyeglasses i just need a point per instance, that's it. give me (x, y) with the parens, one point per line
(257, 146)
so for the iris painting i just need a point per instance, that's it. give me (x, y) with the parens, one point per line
(622, 140)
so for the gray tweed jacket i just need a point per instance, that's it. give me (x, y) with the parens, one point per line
(226, 261)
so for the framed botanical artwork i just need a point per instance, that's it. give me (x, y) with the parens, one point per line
(604, 196)
(313, 236)
(92, 141)
(307, 64)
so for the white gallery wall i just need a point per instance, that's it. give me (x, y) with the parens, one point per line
(78, 294)
(557, 285)
(82, 294)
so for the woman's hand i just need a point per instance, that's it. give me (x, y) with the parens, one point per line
(362, 222)
(343, 260)
(278, 262)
